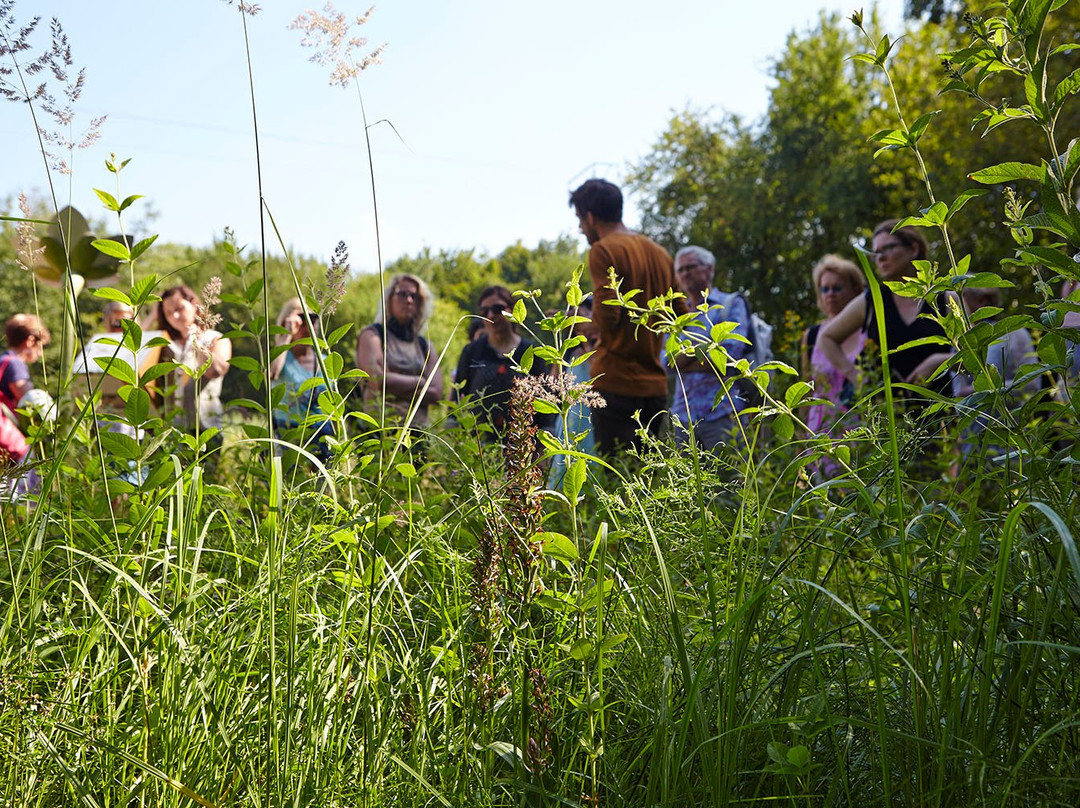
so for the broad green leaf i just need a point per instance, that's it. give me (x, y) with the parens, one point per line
(799, 756)
(545, 407)
(107, 199)
(612, 641)
(117, 368)
(113, 249)
(963, 199)
(127, 203)
(119, 446)
(796, 393)
(574, 479)
(337, 334)
(108, 293)
(406, 470)
(248, 364)
(142, 246)
(783, 427)
(137, 406)
(920, 125)
(557, 546)
(581, 650)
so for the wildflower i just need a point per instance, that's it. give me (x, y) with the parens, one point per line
(205, 317)
(856, 18)
(334, 43)
(29, 249)
(336, 274)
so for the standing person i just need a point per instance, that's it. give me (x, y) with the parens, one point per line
(906, 318)
(837, 282)
(26, 337)
(396, 338)
(695, 408)
(485, 370)
(626, 368)
(194, 348)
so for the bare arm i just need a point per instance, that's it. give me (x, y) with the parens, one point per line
(219, 355)
(832, 335)
(369, 358)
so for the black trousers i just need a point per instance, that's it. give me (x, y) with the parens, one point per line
(615, 427)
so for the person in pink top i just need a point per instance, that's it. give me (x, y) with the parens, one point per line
(837, 282)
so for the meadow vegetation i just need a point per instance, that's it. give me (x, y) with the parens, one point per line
(421, 620)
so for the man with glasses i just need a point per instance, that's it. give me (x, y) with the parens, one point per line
(695, 409)
(626, 368)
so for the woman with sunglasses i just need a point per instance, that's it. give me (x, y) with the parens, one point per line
(838, 282)
(486, 368)
(397, 358)
(906, 319)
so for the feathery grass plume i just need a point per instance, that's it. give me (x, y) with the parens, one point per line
(13, 40)
(251, 9)
(336, 274)
(56, 59)
(28, 248)
(205, 316)
(335, 45)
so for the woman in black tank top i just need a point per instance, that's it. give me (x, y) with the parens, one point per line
(904, 320)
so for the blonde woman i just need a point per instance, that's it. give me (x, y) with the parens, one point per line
(837, 282)
(396, 355)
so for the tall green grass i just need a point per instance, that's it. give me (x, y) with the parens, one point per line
(680, 629)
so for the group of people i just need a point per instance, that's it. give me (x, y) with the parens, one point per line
(637, 379)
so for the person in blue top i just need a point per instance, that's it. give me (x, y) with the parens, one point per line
(695, 406)
(291, 368)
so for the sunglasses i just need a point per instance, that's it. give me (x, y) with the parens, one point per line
(888, 248)
(403, 295)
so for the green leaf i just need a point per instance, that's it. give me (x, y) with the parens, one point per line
(108, 200)
(337, 334)
(127, 203)
(796, 393)
(142, 246)
(406, 470)
(963, 199)
(137, 406)
(117, 368)
(248, 364)
(108, 293)
(920, 125)
(119, 445)
(519, 311)
(545, 407)
(777, 751)
(574, 479)
(612, 641)
(798, 756)
(557, 546)
(783, 427)
(581, 650)
(113, 249)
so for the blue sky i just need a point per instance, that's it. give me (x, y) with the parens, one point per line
(501, 109)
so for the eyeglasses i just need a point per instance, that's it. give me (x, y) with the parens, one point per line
(490, 311)
(888, 248)
(689, 268)
(401, 294)
(836, 290)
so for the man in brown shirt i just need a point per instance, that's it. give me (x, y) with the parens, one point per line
(626, 368)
